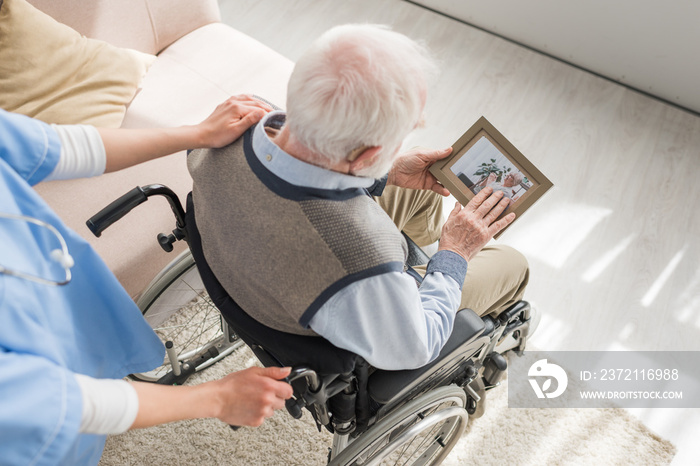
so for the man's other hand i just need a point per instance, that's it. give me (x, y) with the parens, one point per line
(230, 120)
(469, 228)
(411, 169)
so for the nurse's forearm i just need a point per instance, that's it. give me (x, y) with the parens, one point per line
(246, 398)
(159, 404)
(126, 147)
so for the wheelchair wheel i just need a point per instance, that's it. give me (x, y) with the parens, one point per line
(177, 307)
(421, 432)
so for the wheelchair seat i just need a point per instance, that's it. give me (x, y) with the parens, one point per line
(341, 399)
(468, 337)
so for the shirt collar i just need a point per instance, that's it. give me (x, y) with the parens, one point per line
(293, 170)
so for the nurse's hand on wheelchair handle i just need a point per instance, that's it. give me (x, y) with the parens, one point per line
(469, 228)
(249, 396)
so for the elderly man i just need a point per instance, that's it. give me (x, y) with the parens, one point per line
(292, 234)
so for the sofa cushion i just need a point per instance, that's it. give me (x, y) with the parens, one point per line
(50, 72)
(202, 69)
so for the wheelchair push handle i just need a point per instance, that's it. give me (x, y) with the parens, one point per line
(302, 371)
(115, 211)
(124, 204)
(293, 406)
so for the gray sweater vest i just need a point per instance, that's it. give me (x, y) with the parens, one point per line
(280, 250)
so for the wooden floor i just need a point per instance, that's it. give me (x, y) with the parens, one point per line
(614, 248)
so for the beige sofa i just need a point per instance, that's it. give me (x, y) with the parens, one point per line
(200, 62)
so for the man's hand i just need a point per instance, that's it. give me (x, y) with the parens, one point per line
(230, 120)
(251, 395)
(469, 228)
(412, 170)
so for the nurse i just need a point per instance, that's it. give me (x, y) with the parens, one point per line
(69, 332)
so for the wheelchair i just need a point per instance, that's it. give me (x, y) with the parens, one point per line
(376, 416)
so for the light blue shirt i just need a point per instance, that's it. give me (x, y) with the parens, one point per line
(47, 333)
(386, 319)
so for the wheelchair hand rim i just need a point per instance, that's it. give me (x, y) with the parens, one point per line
(460, 414)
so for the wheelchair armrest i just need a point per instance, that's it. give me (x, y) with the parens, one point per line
(467, 338)
(416, 256)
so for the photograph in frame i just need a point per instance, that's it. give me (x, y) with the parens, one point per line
(484, 157)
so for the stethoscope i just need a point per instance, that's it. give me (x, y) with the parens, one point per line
(61, 256)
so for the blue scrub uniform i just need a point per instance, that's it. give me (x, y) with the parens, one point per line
(90, 326)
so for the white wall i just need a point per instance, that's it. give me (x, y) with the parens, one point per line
(651, 45)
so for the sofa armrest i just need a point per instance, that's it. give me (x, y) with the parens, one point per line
(145, 25)
(172, 19)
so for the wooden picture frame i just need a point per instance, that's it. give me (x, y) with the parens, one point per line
(484, 157)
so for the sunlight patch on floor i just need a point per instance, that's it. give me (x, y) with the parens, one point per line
(627, 331)
(658, 285)
(687, 305)
(604, 261)
(551, 333)
(551, 236)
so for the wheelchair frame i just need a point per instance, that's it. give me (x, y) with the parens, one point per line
(421, 412)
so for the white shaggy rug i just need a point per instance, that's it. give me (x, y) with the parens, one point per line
(501, 436)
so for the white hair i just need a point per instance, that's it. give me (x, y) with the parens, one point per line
(358, 85)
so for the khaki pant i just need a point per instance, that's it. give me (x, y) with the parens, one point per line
(496, 276)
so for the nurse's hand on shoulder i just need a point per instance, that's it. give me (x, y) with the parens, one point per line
(230, 120)
(125, 147)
